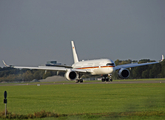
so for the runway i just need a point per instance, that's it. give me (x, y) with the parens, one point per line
(85, 82)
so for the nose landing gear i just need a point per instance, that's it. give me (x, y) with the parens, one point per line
(107, 78)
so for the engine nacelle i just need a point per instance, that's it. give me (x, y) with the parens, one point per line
(71, 75)
(124, 73)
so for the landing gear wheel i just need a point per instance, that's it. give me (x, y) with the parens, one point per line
(81, 80)
(103, 79)
(77, 81)
(107, 79)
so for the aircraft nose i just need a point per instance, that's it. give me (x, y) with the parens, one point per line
(111, 69)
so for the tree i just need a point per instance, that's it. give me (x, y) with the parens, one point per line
(155, 70)
(47, 74)
(27, 76)
(145, 74)
(163, 68)
(38, 74)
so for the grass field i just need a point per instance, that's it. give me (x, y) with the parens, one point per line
(103, 99)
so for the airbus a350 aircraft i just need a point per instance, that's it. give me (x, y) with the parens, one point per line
(103, 67)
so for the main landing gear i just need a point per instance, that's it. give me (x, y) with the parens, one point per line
(79, 80)
(107, 78)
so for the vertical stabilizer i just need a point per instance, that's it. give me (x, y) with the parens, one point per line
(74, 52)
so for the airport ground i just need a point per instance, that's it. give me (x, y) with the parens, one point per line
(119, 100)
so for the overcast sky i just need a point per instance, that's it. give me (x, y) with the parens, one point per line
(35, 31)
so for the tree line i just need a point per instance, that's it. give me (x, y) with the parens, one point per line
(149, 71)
(9, 74)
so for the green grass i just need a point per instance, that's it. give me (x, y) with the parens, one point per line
(86, 99)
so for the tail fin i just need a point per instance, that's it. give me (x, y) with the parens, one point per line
(74, 52)
(162, 57)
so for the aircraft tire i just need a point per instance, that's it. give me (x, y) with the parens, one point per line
(107, 79)
(81, 80)
(77, 81)
(103, 80)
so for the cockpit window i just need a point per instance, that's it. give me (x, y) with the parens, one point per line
(110, 64)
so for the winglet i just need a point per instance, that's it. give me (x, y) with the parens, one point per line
(5, 63)
(162, 58)
(74, 52)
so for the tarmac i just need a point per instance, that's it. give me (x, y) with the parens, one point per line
(56, 80)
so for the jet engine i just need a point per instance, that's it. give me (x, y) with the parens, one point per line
(123, 73)
(71, 75)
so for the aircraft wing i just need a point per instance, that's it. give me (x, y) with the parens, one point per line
(133, 65)
(48, 68)
(42, 68)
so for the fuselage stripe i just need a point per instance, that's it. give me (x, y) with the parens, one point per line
(96, 67)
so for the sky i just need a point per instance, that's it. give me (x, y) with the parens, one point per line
(33, 32)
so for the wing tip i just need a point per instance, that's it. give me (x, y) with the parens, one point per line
(162, 58)
(5, 63)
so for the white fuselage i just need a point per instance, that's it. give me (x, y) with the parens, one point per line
(96, 67)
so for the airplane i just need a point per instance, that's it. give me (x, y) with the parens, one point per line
(88, 68)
